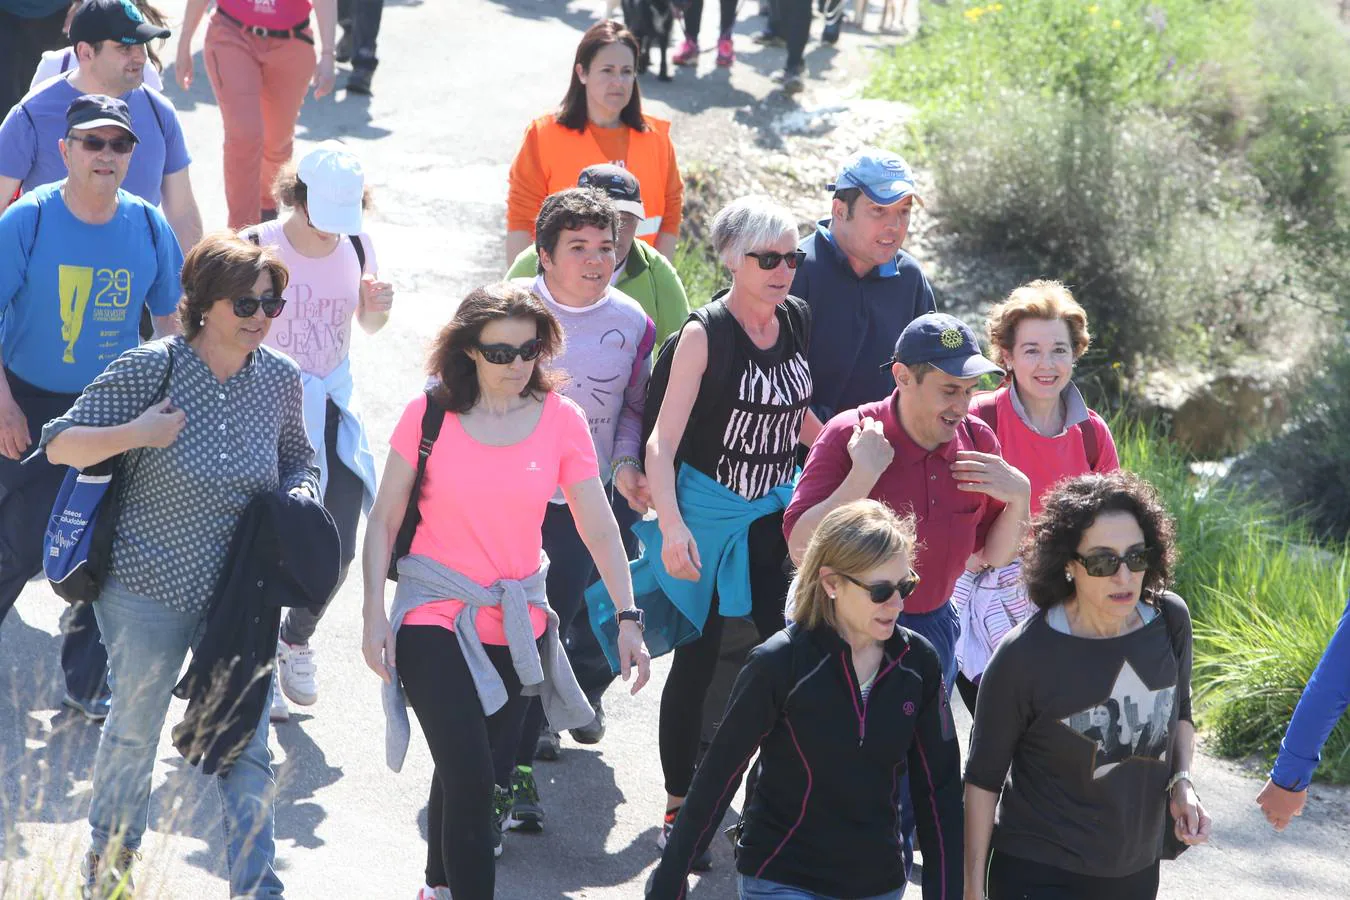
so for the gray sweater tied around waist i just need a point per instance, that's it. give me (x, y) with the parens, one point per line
(543, 668)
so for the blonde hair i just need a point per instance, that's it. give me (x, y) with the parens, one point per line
(1039, 299)
(854, 538)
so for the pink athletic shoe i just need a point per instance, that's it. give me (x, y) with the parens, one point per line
(687, 55)
(726, 55)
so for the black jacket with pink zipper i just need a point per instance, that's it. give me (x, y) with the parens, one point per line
(824, 814)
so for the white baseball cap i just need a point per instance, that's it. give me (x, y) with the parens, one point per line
(334, 186)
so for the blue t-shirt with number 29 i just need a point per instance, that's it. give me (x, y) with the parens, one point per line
(71, 293)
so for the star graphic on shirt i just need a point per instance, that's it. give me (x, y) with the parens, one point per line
(1132, 721)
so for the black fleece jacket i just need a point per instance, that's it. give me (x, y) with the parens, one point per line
(824, 814)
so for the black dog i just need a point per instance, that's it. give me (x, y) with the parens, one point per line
(651, 22)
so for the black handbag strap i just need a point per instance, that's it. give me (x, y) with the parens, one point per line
(432, 419)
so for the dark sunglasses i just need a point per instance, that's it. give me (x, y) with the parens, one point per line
(1104, 565)
(245, 307)
(881, 591)
(505, 354)
(769, 259)
(120, 146)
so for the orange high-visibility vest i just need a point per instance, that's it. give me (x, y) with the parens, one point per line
(565, 153)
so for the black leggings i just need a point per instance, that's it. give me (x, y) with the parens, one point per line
(343, 497)
(1014, 878)
(693, 666)
(472, 751)
(693, 18)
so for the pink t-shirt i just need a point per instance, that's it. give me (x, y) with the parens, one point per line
(277, 14)
(322, 297)
(483, 506)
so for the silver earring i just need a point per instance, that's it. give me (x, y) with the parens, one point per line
(832, 597)
(1068, 576)
(201, 323)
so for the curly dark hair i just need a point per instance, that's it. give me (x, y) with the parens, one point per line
(1071, 509)
(458, 373)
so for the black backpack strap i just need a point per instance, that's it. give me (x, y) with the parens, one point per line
(432, 419)
(360, 251)
(720, 327)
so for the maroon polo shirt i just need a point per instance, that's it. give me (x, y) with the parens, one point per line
(952, 523)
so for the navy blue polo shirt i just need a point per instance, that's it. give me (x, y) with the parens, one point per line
(855, 321)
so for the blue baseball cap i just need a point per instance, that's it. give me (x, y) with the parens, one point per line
(883, 176)
(946, 342)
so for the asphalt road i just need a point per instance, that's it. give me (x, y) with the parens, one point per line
(458, 83)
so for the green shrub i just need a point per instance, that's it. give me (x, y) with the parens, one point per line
(1265, 599)
(1099, 53)
(1167, 246)
(699, 271)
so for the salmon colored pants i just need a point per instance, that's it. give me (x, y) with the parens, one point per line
(260, 85)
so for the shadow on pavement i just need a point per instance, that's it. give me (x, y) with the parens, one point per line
(580, 19)
(46, 751)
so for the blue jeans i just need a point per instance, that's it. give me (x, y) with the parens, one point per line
(147, 643)
(762, 889)
(942, 628)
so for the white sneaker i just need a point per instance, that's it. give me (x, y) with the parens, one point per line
(280, 712)
(295, 671)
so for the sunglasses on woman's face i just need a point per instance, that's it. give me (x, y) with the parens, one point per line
(769, 259)
(1106, 564)
(505, 354)
(881, 591)
(120, 146)
(245, 307)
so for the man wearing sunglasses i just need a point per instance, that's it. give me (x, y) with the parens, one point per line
(79, 259)
(919, 450)
(109, 38)
(861, 286)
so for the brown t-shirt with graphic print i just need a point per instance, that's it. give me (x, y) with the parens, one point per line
(1077, 735)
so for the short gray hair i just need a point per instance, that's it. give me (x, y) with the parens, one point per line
(749, 223)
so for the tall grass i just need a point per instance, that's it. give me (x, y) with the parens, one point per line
(1265, 597)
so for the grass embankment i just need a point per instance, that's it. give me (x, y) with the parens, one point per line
(1183, 165)
(1265, 597)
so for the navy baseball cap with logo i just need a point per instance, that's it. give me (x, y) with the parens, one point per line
(883, 176)
(945, 342)
(112, 20)
(96, 110)
(618, 183)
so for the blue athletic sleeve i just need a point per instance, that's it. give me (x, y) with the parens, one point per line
(18, 227)
(1319, 709)
(162, 298)
(18, 145)
(176, 157)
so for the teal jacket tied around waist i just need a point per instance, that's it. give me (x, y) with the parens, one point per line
(676, 610)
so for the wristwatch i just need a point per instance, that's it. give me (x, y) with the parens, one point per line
(632, 615)
(1172, 782)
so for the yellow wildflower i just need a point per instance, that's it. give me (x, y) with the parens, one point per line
(973, 14)
(1115, 23)
(1092, 10)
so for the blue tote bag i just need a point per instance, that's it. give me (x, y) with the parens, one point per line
(77, 548)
